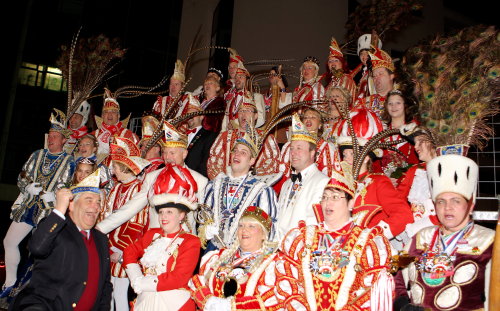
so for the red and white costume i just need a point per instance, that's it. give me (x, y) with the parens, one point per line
(378, 203)
(234, 99)
(415, 187)
(162, 102)
(167, 263)
(267, 283)
(130, 231)
(345, 269)
(220, 152)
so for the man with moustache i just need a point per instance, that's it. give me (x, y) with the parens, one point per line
(71, 270)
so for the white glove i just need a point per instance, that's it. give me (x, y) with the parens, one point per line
(34, 188)
(147, 283)
(48, 197)
(211, 231)
(134, 273)
(217, 304)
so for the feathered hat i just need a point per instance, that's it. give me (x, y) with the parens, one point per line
(343, 179)
(381, 59)
(58, 123)
(173, 138)
(174, 187)
(300, 132)
(234, 57)
(193, 103)
(149, 125)
(259, 215)
(457, 89)
(335, 49)
(250, 139)
(179, 73)
(88, 184)
(126, 152)
(110, 101)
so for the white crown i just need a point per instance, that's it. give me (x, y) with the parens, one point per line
(453, 173)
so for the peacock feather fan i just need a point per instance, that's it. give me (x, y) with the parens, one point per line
(457, 84)
(85, 63)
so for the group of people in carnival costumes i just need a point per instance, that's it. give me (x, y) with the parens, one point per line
(314, 225)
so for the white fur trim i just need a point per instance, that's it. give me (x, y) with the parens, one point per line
(364, 42)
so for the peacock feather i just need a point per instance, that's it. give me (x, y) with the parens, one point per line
(457, 84)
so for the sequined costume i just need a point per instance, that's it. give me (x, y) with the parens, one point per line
(52, 171)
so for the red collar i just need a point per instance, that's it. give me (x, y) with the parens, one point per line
(172, 235)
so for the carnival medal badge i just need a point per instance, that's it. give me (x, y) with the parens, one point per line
(435, 267)
(328, 260)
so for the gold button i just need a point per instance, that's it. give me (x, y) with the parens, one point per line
(74, 305)
(84, 283)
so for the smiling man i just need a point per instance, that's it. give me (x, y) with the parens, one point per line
(452, 259)
(306, 183)
(71, 269)
(220, 151)
(45, 171)
(229, 194)
(109, 125)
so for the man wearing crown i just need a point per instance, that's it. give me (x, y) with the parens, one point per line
(303, 188)
(127, 164)
(45, 171)
(71, 269)
(383, 78)
(220, 152)
(177, 81)
(239, 94)
(229, 194)
(174, 152)
(452, 259)
(110, 126)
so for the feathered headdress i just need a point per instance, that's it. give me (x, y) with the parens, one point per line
(85, 64)
(457, 86)
(383, 16)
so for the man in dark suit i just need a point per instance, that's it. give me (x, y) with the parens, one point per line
(199, 141)
(71, 269)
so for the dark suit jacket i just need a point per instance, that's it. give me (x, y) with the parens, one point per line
(60, 268)
(199, 150)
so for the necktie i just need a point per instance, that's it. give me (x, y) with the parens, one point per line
(297, 176)
(85, 235)
(191, 131)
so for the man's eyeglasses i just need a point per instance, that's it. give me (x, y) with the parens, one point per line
(331, 198)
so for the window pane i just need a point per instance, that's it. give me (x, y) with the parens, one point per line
(27, 76)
